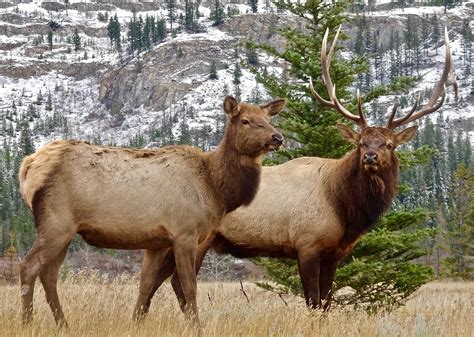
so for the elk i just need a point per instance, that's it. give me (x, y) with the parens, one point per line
(160, 200)
(315, 209)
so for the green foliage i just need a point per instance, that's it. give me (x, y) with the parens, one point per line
(50, 39)
(380, 269)
(76, 40)
(253, 5)
(213, 71)
(458, 227)
(217, 13)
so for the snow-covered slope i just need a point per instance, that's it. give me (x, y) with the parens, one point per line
(79, 83)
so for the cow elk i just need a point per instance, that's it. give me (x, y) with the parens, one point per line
(315, 209)
(160, 200)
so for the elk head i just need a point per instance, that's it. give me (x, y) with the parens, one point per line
(250, 126)
(376, 145)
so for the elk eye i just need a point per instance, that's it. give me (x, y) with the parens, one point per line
(245, 122)
(361, 144)
(389, 146)
(261, 126)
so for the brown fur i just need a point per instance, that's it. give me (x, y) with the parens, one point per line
(314, 210)
(162, 200)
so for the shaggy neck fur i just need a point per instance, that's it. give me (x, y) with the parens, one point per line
(362, 198)
(235, 176)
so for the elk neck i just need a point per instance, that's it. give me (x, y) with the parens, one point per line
(234, 176)
(361, 198)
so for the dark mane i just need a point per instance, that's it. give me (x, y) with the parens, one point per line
(360, 198)
(235, 177)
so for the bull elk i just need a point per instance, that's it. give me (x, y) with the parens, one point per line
(315, 209)
(161, 200)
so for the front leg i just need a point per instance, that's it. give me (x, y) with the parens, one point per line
(175, 282)
(326, 278)
(309, 263)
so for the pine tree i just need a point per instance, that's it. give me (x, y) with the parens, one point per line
(217, 13)
(237, 74)
(189, 16)
(435, 34)
(160, 32)
(146, 36)
(49, 103)
(50, 39)
(459, 227)
(252, 56)
(467, 38)
(25, 142)
(253, 5)
(76, 40)
(213, 71)
(171, 7)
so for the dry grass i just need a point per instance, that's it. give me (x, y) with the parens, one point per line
(97, 309)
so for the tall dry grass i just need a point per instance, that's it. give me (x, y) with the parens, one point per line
(97, 308)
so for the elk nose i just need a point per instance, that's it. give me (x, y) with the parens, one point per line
(278, 138)
(370, 158)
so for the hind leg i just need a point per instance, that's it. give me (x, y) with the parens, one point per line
(152, 276)
(52, 241)
(49, 279)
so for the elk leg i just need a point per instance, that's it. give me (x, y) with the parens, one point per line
(152, 266)
(309, 267)
(326, 278)
(166, 270)
(46, 249)
(49, 279)
(185, 258)
(175, 282)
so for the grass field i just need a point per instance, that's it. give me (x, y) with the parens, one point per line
(95, 308)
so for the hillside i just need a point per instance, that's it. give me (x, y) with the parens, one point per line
(99, 94)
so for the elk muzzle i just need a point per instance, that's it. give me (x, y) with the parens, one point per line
(370, 158)
(277, 138)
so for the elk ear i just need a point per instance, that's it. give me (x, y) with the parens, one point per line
(406, 135)
(231, 107)
(348, 133)
(273, 108)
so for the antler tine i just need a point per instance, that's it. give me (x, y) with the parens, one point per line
(331, 88)
(319, 98)
(447, 77)
(393, 113)
(363, 122)
(392, 124)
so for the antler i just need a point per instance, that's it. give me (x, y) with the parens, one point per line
(333, 102)
(440, 90)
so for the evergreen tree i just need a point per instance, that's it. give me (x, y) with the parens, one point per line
(213, 71)
(76, 40)
(217, 13)
(171, 7)
(49, 103)
(237, 74)
(50, 39)
(466, 41)
(425, 35)
(146, 36)
(160, 33)
(25, 142)
(252, 56)
(459, 227)
(253, 5)
(189, 16)
(113, 31)
(435, 34)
